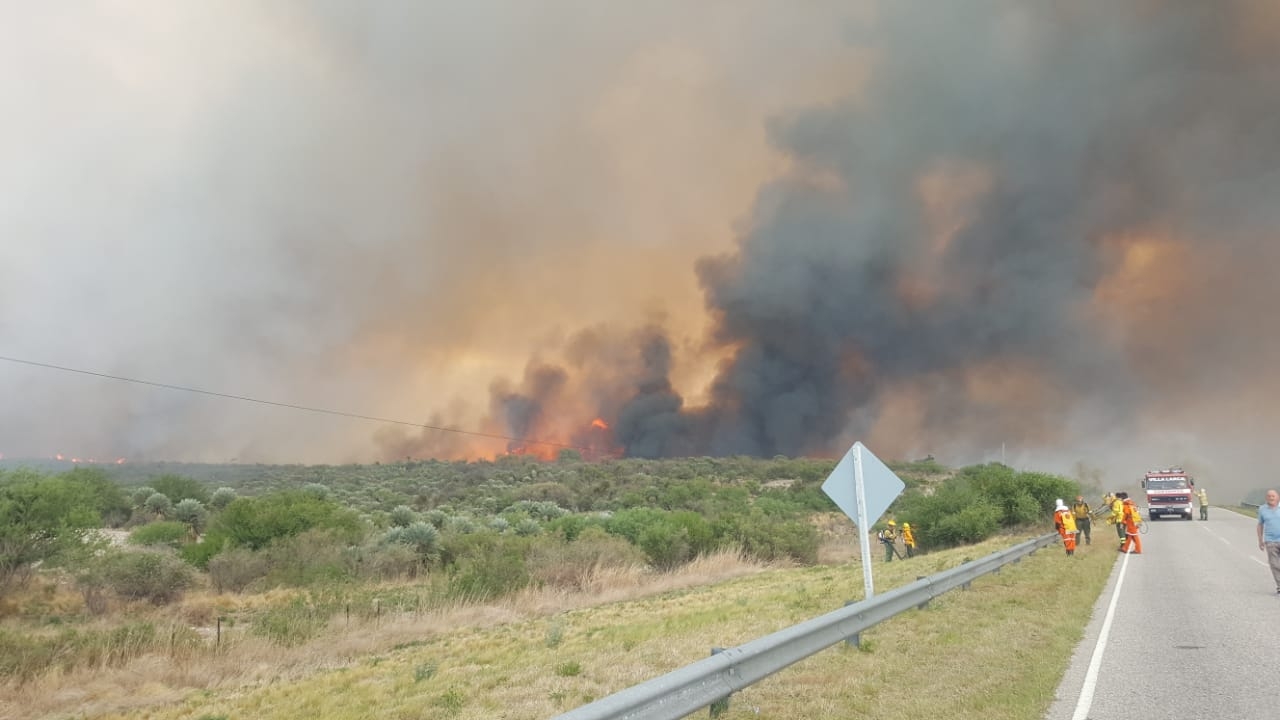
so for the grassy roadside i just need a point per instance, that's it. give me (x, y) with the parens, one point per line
(994, 651)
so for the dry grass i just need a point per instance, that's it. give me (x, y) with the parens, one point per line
(995, 651)
(250, 662)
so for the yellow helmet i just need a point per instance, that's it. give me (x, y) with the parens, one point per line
(893, 522)
(906, 525)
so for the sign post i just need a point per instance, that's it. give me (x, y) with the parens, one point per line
(863, 487)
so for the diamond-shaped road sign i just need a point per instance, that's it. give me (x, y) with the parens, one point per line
(880, 485)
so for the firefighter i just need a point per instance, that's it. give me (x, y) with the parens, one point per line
(888, 537)
(1203, 496)
(1084, 525)
(909, 539)
(1132, 518)
(1064, 521)
(1117, 514)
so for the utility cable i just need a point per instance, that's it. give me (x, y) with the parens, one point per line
(291, 406)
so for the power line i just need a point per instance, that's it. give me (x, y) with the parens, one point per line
(291, 406)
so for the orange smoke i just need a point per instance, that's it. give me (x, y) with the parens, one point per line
(1152, 300)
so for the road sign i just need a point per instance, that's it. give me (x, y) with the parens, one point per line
(863, 487)
(880, 485)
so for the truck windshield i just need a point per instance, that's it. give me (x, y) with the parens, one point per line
(1179, 483)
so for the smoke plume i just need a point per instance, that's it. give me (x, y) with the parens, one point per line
(973, 230)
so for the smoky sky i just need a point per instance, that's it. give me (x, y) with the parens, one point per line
(974, 230)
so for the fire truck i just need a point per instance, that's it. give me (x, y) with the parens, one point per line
(1169, 492)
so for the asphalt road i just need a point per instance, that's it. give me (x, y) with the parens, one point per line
(1193, 631)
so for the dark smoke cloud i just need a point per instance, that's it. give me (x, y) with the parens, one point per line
(1100, 290)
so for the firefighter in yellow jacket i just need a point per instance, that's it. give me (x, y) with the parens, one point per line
(1064, 521)
(1117, 515)
(889, 537)
(1084, 520)
(909, 539)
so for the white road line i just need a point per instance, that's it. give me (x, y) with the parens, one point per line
(1095, 662)
(1229, 543)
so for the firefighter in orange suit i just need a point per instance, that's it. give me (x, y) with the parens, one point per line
(1132, 518)
(1064, 521)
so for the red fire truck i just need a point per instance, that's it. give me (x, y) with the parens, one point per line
(1169, 492)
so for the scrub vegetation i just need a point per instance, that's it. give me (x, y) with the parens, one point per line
(234, 579)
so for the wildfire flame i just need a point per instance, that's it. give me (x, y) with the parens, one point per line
(594, 441)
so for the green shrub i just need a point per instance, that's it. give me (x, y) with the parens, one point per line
(178, 488)
(221, 498)
(191, 512)
(255, 522)
(528, 527)
(973, 523)
(631, 522)
(436, 517)
(42, 519)
(403, 516)
(313, 557)
(485, 565)
(556, 562)
(770, 538)
(290, 625)
(421, 537)
(675, 538)
(382, 561)
(158, 505)
(235, 570)
(200, 553)
(139, 495)
(570, 527)
(169, 533)
(154, 575)
(316, 490)
(570, 668)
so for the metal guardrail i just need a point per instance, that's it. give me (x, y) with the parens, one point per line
(702, 683)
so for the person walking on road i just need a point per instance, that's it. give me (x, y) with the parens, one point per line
(1269, 533)
(1064, 521)
(1132, 518)
(1084, 523)
(1203, 496)
(909, 539)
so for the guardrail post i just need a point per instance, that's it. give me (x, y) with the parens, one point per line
(924, 604)
(722, 705)
(854, 640)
